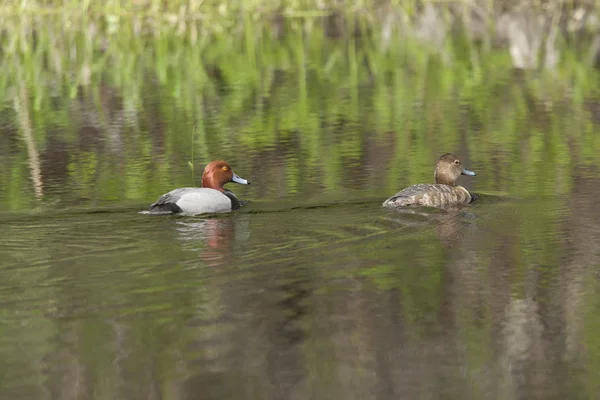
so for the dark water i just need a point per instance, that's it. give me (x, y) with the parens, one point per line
(312, 291)
(339, 301)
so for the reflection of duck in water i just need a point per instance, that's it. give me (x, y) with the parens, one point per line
(443, 193)
(213, 239)
(212, 197)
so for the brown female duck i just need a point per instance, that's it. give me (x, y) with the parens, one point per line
(443, 193)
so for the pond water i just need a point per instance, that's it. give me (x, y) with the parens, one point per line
(312, 290)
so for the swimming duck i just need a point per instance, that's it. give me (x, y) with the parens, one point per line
(210, 198)
(444, 192)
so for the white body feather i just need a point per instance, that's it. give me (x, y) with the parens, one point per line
(203, 200)
(192, 201)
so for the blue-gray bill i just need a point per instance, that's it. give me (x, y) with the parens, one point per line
(239, 180)
(468, 172)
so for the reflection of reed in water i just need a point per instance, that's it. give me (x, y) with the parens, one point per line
(522, 358)
(516, 283)
(21, 105)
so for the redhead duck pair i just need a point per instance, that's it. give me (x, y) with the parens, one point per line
(212, 197)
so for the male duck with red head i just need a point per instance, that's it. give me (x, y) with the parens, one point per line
(212, 197)
(443, 193)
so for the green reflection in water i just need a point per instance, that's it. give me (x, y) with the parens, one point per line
(347, 300)
(298, 114)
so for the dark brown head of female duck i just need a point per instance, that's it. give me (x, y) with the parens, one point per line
(449, 169)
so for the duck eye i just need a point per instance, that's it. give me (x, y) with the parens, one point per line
(457, 162)
(225, 168)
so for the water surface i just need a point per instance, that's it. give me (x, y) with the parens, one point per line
(312, 290)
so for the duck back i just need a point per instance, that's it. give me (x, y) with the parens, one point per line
(432, 195)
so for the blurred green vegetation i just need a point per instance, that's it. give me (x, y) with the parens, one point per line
(112, 93)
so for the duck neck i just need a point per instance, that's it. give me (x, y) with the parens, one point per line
(443, 179)
(209, 181)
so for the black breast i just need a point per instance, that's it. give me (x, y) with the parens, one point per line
(235, 202)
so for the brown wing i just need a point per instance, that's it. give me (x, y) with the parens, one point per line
(433, 195)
